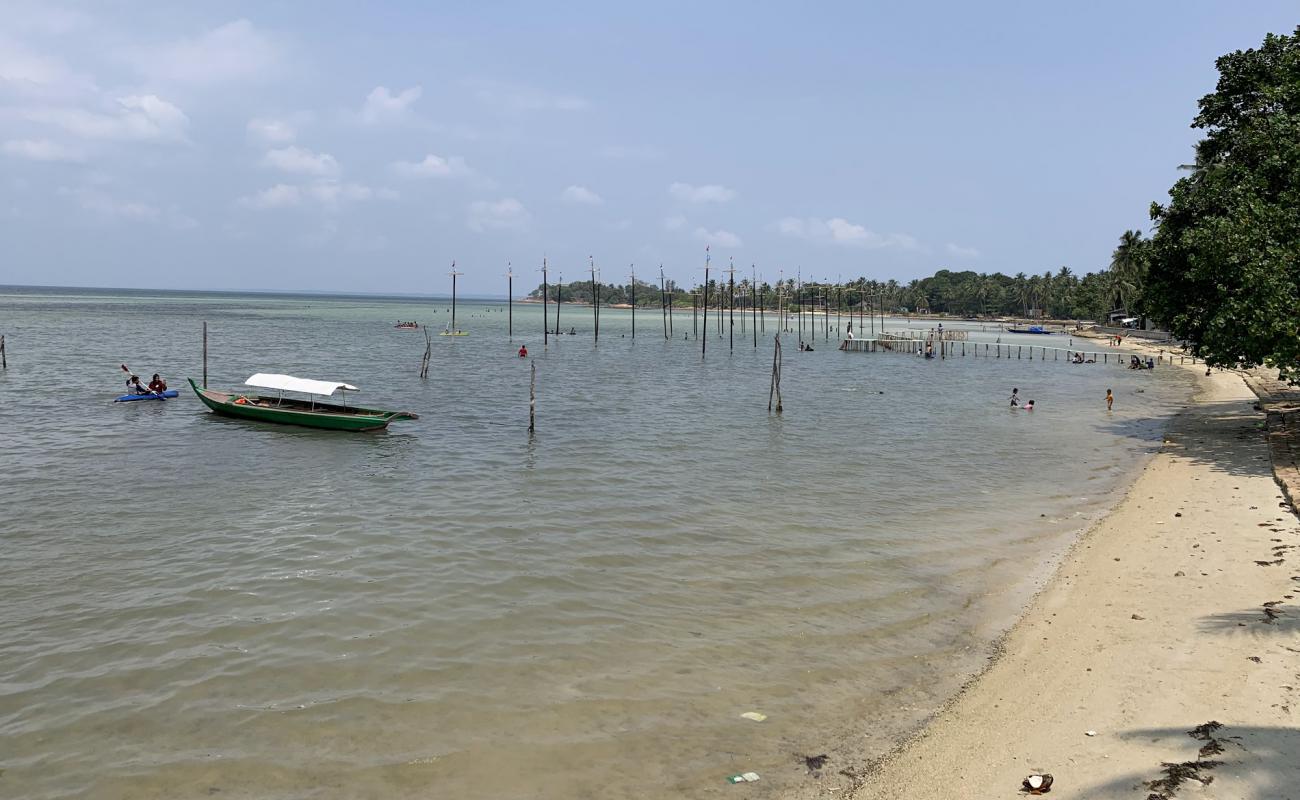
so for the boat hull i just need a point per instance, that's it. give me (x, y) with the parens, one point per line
(131, 398)
(325, 417)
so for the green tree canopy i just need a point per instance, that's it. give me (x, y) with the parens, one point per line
(1224, 263)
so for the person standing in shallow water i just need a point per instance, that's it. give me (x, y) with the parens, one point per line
(1015, 397)
(1110, 399)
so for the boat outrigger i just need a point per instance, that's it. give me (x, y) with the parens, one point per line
(291, 411)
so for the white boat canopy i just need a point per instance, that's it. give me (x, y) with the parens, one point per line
(288, 383)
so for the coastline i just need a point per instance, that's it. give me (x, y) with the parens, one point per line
(1152, 624)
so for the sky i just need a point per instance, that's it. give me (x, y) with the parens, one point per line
(337, 146)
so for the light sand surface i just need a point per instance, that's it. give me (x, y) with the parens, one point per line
(1154, 624)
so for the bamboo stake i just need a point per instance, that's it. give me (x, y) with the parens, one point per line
(205, 353)
(532, 398)
(510, 303)
(663, 300)
(754, 287)
(559, 300)
(775, 388)
(4, 359)
(633, 267)
(424, 362)
(595, 304)
(546, 318)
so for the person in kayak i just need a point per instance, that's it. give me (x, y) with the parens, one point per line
(133, 386)
(157, 385)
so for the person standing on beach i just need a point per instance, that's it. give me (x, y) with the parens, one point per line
(1110, 399)
(1015, 397)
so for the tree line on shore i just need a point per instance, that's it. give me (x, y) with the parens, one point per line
(1060, 294)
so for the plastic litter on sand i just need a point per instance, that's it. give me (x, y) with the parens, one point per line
(754, 715)
(744, 777)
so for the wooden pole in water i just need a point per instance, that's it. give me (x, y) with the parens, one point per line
(546, 318)
(754, 287)
(633, 267)
(663, 301)
(731, 312)
(510, 302)
(424, 362)
(453, 274)
(705, 338)
(532, 397)
(775, 389)
(559, 299)
(205, 353)
(595, 303)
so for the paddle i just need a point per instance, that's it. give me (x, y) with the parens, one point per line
(128, 371)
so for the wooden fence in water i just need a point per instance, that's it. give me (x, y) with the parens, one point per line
(946, 349)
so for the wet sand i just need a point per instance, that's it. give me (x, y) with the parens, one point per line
(1180, 608)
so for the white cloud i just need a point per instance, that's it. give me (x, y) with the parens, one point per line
(108, 207)
(632, 152)
(300, 160)
(383, 106)
(41, 150)
(709, 193)
(719, 237)
(674, 223)
(278, 196)
(272, 131)
(236, 51)
(135, 117)
(581, 195)
(329, 194)
(516, 98)
(957, 251)
(507, 214)
(840, 231)
(432, 167)
(28, 73)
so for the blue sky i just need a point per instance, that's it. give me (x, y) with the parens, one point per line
(336, 147)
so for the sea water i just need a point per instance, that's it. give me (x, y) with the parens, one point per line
(194, 606)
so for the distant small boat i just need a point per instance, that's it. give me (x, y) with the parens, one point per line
(1030, 329)
(453, 333)
(129, 398)
(290, 411)
(402, 326)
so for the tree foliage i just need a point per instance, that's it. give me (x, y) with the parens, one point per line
(1224, 263)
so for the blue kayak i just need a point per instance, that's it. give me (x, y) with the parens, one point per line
(126, 398)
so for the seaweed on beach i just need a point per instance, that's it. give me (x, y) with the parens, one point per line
(1177, 774)
(815, 763)
(1203, 732)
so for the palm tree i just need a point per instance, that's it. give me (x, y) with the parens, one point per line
(1128, 268)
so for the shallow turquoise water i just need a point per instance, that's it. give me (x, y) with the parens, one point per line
(195, 606)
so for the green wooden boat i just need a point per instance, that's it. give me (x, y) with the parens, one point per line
(290, 411)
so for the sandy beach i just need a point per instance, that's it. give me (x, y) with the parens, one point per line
(1174, 615)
